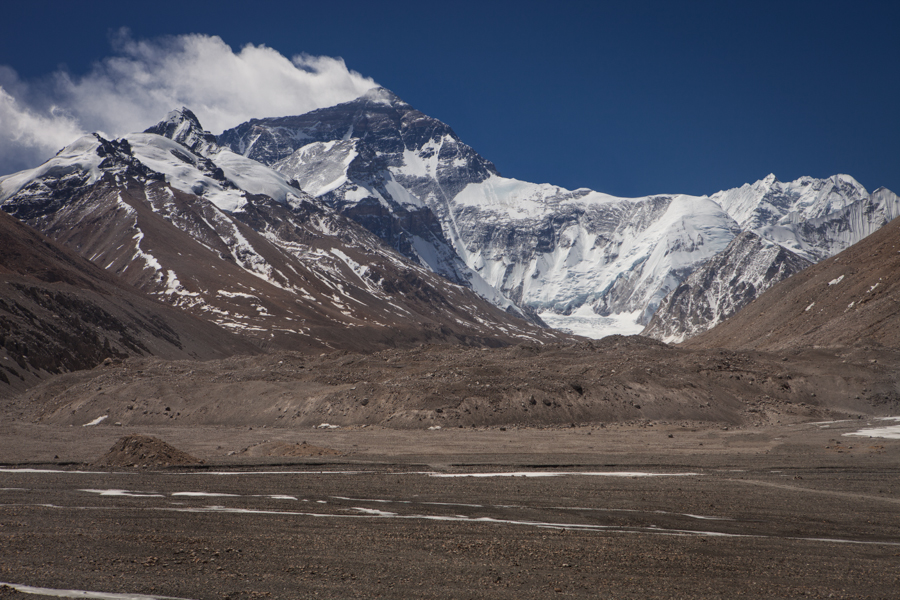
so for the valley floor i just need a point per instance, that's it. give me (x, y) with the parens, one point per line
(789, 510)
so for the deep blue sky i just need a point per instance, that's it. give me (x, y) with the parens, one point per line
(626, 98)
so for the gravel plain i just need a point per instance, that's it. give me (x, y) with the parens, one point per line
(796, 510)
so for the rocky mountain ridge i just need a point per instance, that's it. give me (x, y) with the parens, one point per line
(722, 286)
(851, 299)
(237, 244)
(59, 312)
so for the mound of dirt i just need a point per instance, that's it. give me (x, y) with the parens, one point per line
(145, 451)
(287, 449)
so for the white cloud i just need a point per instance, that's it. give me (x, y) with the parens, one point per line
(28, 137)
(145, 79)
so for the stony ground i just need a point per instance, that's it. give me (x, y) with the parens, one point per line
(615, 380)
(786, 511)
(350, 475)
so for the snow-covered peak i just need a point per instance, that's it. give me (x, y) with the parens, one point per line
(85, 159)
(183, 126)
(769, 201)
(79, 156)
(380, 95)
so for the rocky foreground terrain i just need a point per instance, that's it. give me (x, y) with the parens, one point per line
(614, 380)
(792, 510)
(618, 468)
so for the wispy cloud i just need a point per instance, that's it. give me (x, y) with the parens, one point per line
(145, 79)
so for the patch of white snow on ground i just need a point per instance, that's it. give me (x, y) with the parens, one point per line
(563, 473)
(236, 295)
(891, 432)
(204, 494)
(96, 421)
(124, 493)
(836, 281)
(27, 589)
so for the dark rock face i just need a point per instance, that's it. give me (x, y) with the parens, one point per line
(722, 286)
(384, 123)
(184, 127)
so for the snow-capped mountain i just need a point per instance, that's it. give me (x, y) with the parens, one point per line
(797, 224)
(722, 286)
(771, 202)
(847, 300)
(578, 260)
(234, 242)
(814, 218)
(583, 261)
(355, 158)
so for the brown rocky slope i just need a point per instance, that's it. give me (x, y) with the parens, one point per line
(850, 299)
(618, 379)
(59, 312)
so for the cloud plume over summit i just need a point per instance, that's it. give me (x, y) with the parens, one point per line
(145, 79)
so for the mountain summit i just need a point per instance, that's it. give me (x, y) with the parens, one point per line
(184, 127)
(376, 171)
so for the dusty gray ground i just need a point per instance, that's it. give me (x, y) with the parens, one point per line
(784, 511)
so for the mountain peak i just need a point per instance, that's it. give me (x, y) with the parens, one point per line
(182, 126)
(380, 95)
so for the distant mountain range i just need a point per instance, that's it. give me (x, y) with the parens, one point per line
(369, 224)
(585, 262)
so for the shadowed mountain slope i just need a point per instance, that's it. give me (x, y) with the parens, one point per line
(59, 312)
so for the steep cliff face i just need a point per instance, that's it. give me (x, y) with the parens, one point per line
(381, 163)
(722, 286)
